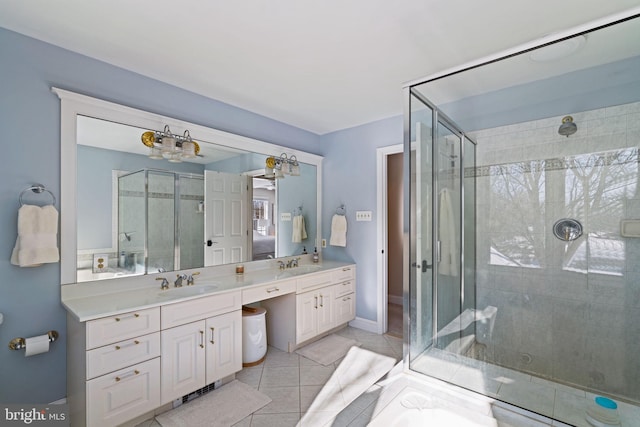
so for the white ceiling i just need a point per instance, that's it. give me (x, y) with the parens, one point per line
(318, 65)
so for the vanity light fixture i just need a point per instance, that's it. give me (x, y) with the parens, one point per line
(278, 167)
(167, 145)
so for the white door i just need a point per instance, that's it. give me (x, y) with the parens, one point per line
(182, 360)
(225, 221)
(224, 345)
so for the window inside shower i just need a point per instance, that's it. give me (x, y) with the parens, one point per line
(535, 319)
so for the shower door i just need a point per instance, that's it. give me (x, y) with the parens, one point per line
(441, 289)
(421, 225)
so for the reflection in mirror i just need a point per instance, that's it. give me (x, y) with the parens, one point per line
(139, 215)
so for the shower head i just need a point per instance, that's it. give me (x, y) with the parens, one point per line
(567, 127)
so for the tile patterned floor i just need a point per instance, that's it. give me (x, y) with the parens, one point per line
(292, 382)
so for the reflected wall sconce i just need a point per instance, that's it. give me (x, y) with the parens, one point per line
(278, 167)
(167, 145)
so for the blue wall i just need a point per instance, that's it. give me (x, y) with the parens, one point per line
(30, 123)
(350, 179)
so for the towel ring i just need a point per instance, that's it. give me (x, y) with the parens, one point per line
(342, 210)
(37, 188)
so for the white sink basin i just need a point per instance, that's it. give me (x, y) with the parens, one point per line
(187, 291)
(296, 271)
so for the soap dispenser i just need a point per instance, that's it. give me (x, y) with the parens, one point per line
(316, 257)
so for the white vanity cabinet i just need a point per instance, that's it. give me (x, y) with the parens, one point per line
(324, 301)
(113, 368)
(200, 352)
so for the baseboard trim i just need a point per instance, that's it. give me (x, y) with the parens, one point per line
(365, 324)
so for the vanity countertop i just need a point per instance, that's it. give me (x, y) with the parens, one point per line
(89, 301)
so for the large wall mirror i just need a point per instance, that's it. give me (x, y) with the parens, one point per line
(129, 210)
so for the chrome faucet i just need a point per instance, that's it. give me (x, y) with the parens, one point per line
(165, 283)
(190, 279)
(178, 282)
(281, 265)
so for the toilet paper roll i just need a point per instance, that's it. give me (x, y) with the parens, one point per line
(36, 345)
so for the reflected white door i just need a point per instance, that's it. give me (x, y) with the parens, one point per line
(225, 223)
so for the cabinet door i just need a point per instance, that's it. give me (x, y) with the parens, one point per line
(183, 360)
(326, 317)
(345, 308)
(224, 345)
(306, 316)
(119, 396)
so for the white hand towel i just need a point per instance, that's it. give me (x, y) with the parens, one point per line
(448, 264)
(338, 231)
(37, 241)
(299, 232)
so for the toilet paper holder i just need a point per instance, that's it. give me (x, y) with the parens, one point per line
(21, 343)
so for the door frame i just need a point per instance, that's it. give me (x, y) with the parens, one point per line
(382, 226)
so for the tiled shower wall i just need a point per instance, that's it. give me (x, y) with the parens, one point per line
(567, 311)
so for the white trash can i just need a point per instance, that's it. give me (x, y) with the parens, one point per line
(254, 336)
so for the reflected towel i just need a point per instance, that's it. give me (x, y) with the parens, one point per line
(37, 241)
(448, 264)
(299, 232)
(338, 231)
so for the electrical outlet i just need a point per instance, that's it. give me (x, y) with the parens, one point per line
(363, 216)
(324, 243)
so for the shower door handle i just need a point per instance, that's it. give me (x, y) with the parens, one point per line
(424, 266)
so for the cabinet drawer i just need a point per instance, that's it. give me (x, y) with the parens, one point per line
(344, 288)
(118, 397)
(119, 355)
(268, 291)
(313, 281)
(198, 309)
(344, 273)
(112, 329)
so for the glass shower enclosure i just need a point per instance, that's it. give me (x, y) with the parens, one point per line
(160, 221)
(525, 233)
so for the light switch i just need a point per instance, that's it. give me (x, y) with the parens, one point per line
(363, 215)
(285, 216)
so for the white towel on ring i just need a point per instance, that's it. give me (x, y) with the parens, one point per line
(338, 231)
(37, 241)
(299, 230)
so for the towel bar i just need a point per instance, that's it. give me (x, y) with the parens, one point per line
(20, 343)
(37, 188)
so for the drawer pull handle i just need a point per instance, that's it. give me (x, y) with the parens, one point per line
(316, 303)
(273, 290)
(130, 374)
(128, 317)
(212, 336)
(321, 301)
(201, 339)
(128, 345)
(346, 269)
(346, 298)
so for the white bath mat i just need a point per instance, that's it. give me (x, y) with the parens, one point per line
(328, 349)
(358, 371)
(222, 407)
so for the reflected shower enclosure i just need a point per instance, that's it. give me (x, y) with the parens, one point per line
(160, 221)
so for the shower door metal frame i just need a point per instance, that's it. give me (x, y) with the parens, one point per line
(437, 117)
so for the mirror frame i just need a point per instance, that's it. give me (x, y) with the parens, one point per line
(74, 104)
